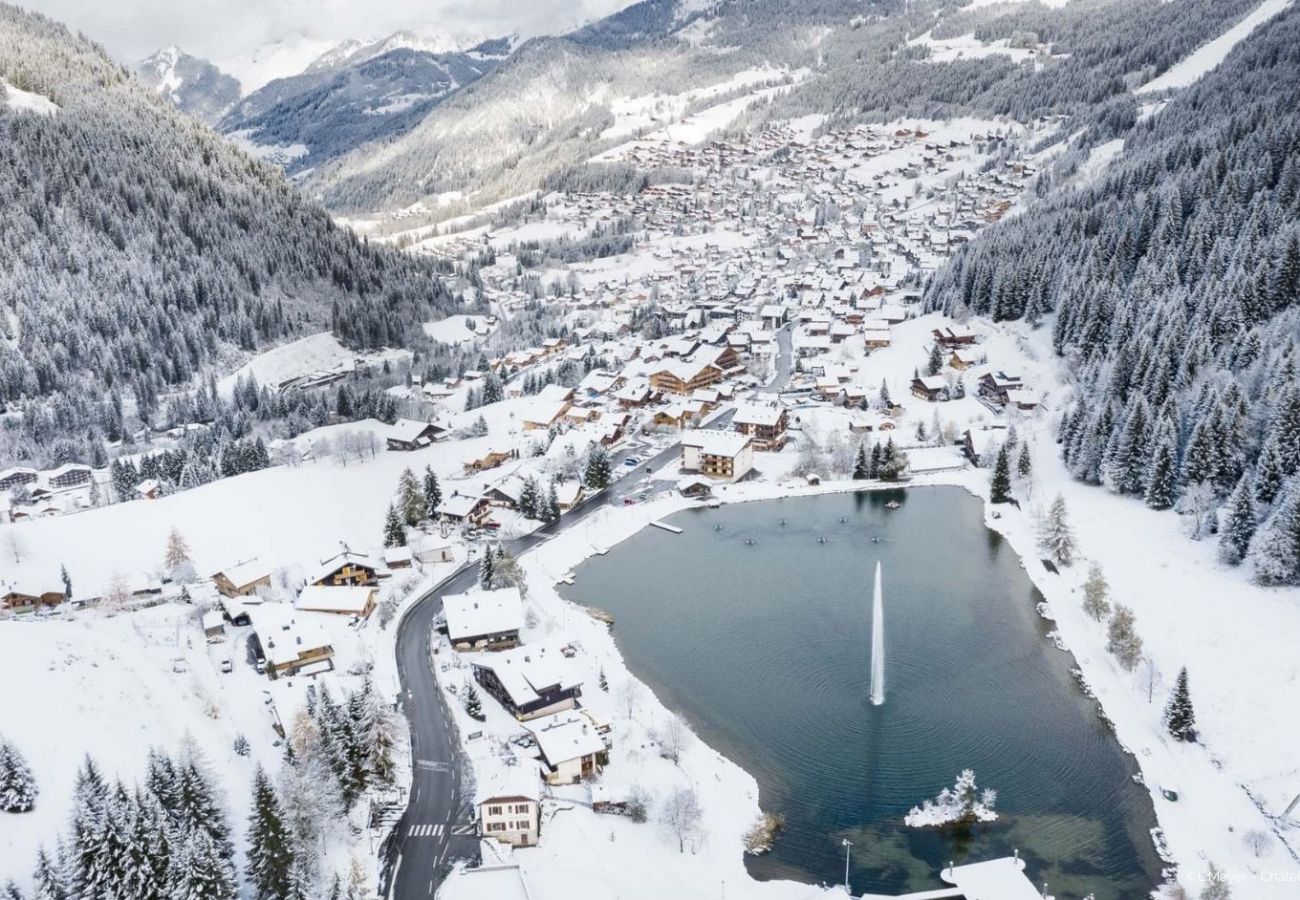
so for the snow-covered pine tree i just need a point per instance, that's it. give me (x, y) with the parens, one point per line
(861, 467)
(206, 872)
(934, 362)
(67, 581)
(269, 860)
(197, 806)
(1096, 593)
(1122, 639)
(377, 734)
(411, 503)
(529, 499)
(18, 788)
(394, 529)
(551, 510)
(149, 863)
(1025, 464)
(1000, 483)
(432, 493)
(1055, 537)
(597, 474)
(49, 882)
(1162, 473)
(1180, 719)
(1275, 548)
(473, 706)
(1238, 525)
(487, 570)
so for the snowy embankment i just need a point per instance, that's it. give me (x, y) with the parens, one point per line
(25, 101)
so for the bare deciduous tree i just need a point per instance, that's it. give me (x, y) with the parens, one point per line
(673, 738)
(1258, 841)
(629, 692)
(681, 815)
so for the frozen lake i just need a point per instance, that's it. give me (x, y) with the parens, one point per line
(765, 648)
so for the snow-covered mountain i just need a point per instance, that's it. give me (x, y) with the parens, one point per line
(195, 85)
(346, 100)
(423, 40)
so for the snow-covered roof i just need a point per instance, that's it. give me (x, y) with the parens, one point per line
(478, 613)
(564, 736)
(716, 443)
(245, 573)
(335, 599)
(407, 431)
(514, 782)
(755, 414)
(525, 672)
(459, 505)
(331, 565)
(283, 637)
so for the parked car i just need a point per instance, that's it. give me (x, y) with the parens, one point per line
(227, 667)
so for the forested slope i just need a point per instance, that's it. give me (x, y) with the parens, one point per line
(1175, 280)
(136, 245)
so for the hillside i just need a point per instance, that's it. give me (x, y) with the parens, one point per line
(137, 247)
(196, 86)
(1174, 278)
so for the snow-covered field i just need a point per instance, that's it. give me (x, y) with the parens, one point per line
(458, 329)
(316, 353)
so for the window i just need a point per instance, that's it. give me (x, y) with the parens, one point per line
(521, 826)
(521, 808)
(494, 810)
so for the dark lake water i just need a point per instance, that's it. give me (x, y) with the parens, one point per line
(765, 648)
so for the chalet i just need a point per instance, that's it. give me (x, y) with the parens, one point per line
(15, 600)
(70, 475)
(931, 388)
(542, 414)
(465, 509)
(348, 600)
(875, 338)
(243, 579)
(765, 425)
(290, 647)
(345, 568)
(695, 487)
(954, 337)
(569, 748)
(509, 808)
(149, 489)
(635, 393)
(961, 360)
(484, 620)
(981, 444)
(995, 386)
(568, 494)
(679, 414)
(722, 455)
(684, 377)
(530, 682)
(409, 434)
(490, 459)
(1022, 399)
(15, 477)
(505, 493)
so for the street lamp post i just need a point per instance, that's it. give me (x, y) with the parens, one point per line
(848, 846)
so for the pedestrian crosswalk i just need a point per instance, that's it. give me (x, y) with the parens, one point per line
(435, 831)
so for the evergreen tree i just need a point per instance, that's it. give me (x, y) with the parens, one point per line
(432, 493)
(934, 364)
(394, 530)
(178, 551)
(1275, 548)
(1122, 639)
(473, 706)
(493, 392)
(1055, 537)
(1180, 720)
(1000, 485)
(861, 467)
(1025, 464)
(411, 503)
(597, 474)
(1096, 594)
(269, 861)
(487, 570)
(377, 735)
(551, 509)
(17, 784)
(893, 462)
(49, 881)
(1162, 474)
(206, 873)
(1238, 523)
(530, 500)
(67, 583)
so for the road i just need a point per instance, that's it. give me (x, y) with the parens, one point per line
(438, 825)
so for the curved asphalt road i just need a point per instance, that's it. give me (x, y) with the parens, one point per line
(438, 825)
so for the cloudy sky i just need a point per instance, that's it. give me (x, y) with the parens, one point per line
(223, 29)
